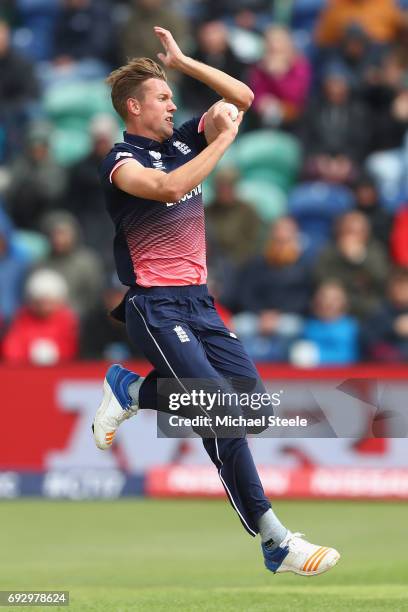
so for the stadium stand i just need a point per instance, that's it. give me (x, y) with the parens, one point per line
(317, 157)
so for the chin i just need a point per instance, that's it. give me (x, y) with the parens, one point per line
(169, 131)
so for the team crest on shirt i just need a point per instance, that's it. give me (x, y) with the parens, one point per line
(182, 147)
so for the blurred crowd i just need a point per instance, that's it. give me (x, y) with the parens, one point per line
(307, 214)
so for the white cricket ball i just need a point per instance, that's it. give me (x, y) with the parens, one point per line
(232, 110)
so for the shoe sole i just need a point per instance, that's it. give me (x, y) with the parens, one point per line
(107, 396)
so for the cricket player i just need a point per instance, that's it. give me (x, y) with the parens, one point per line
(152, 181)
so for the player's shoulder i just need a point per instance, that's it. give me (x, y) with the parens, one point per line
(120, 152)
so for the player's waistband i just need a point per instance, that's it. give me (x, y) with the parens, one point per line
(177, 290)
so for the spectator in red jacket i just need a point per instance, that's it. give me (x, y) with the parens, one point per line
(45, 330)
(280, 81)
(398, 240)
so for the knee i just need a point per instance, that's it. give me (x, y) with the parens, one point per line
(222, 449)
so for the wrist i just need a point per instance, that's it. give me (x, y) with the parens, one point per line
(225, 137)
(180, 62)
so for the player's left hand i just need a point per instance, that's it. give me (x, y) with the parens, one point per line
(173, 52)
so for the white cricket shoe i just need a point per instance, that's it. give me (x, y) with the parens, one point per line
(116, 406)
(297, 555)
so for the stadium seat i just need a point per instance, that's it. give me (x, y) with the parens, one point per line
(208, 191)
(248, 46)
(269, 200)
(71, 107)
(303, 20)
(269, 156)
(70, 145)
(32, 244)
(305, 13)
(315, 206)
(34, 37)
(78, 99)
(389, 170)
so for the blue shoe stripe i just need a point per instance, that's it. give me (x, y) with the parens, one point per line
(119, 380)
(274, 558)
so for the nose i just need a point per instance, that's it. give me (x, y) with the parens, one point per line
(172, 107)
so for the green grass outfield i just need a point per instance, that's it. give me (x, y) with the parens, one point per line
(153, 555)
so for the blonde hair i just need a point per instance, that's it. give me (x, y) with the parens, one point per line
(126, 82)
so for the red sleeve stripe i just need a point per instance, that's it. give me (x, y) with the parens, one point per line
(119, 164)
(201, 124)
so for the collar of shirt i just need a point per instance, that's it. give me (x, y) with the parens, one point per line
(141, 142)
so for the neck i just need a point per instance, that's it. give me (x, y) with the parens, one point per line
(138, 130)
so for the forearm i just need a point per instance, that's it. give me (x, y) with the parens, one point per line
(226, 86)
(187, 177)
(160, 186)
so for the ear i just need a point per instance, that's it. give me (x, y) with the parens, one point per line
(133, 106)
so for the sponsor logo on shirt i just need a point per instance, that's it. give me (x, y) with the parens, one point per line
(196, 191)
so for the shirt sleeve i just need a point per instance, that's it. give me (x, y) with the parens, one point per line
(189, 133)
(114, 160)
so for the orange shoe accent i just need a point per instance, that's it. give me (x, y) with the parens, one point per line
(312, 558)
(317, 558)
(317, 563)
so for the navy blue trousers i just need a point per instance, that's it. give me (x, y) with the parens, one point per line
(183, 337)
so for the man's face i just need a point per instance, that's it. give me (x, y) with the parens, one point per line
(4, 38)
(330, 302)
(3, 245)
(150, 5)
(213, 37)
(43, 307)
(76, 4)
(63, 239)
(354, 225)
(398, 291)
(366, 195)
(336, 89)
(157, 109)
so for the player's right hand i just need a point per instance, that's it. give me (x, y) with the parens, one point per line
(223, 122)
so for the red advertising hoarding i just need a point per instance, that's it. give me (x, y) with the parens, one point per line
(47, 447)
